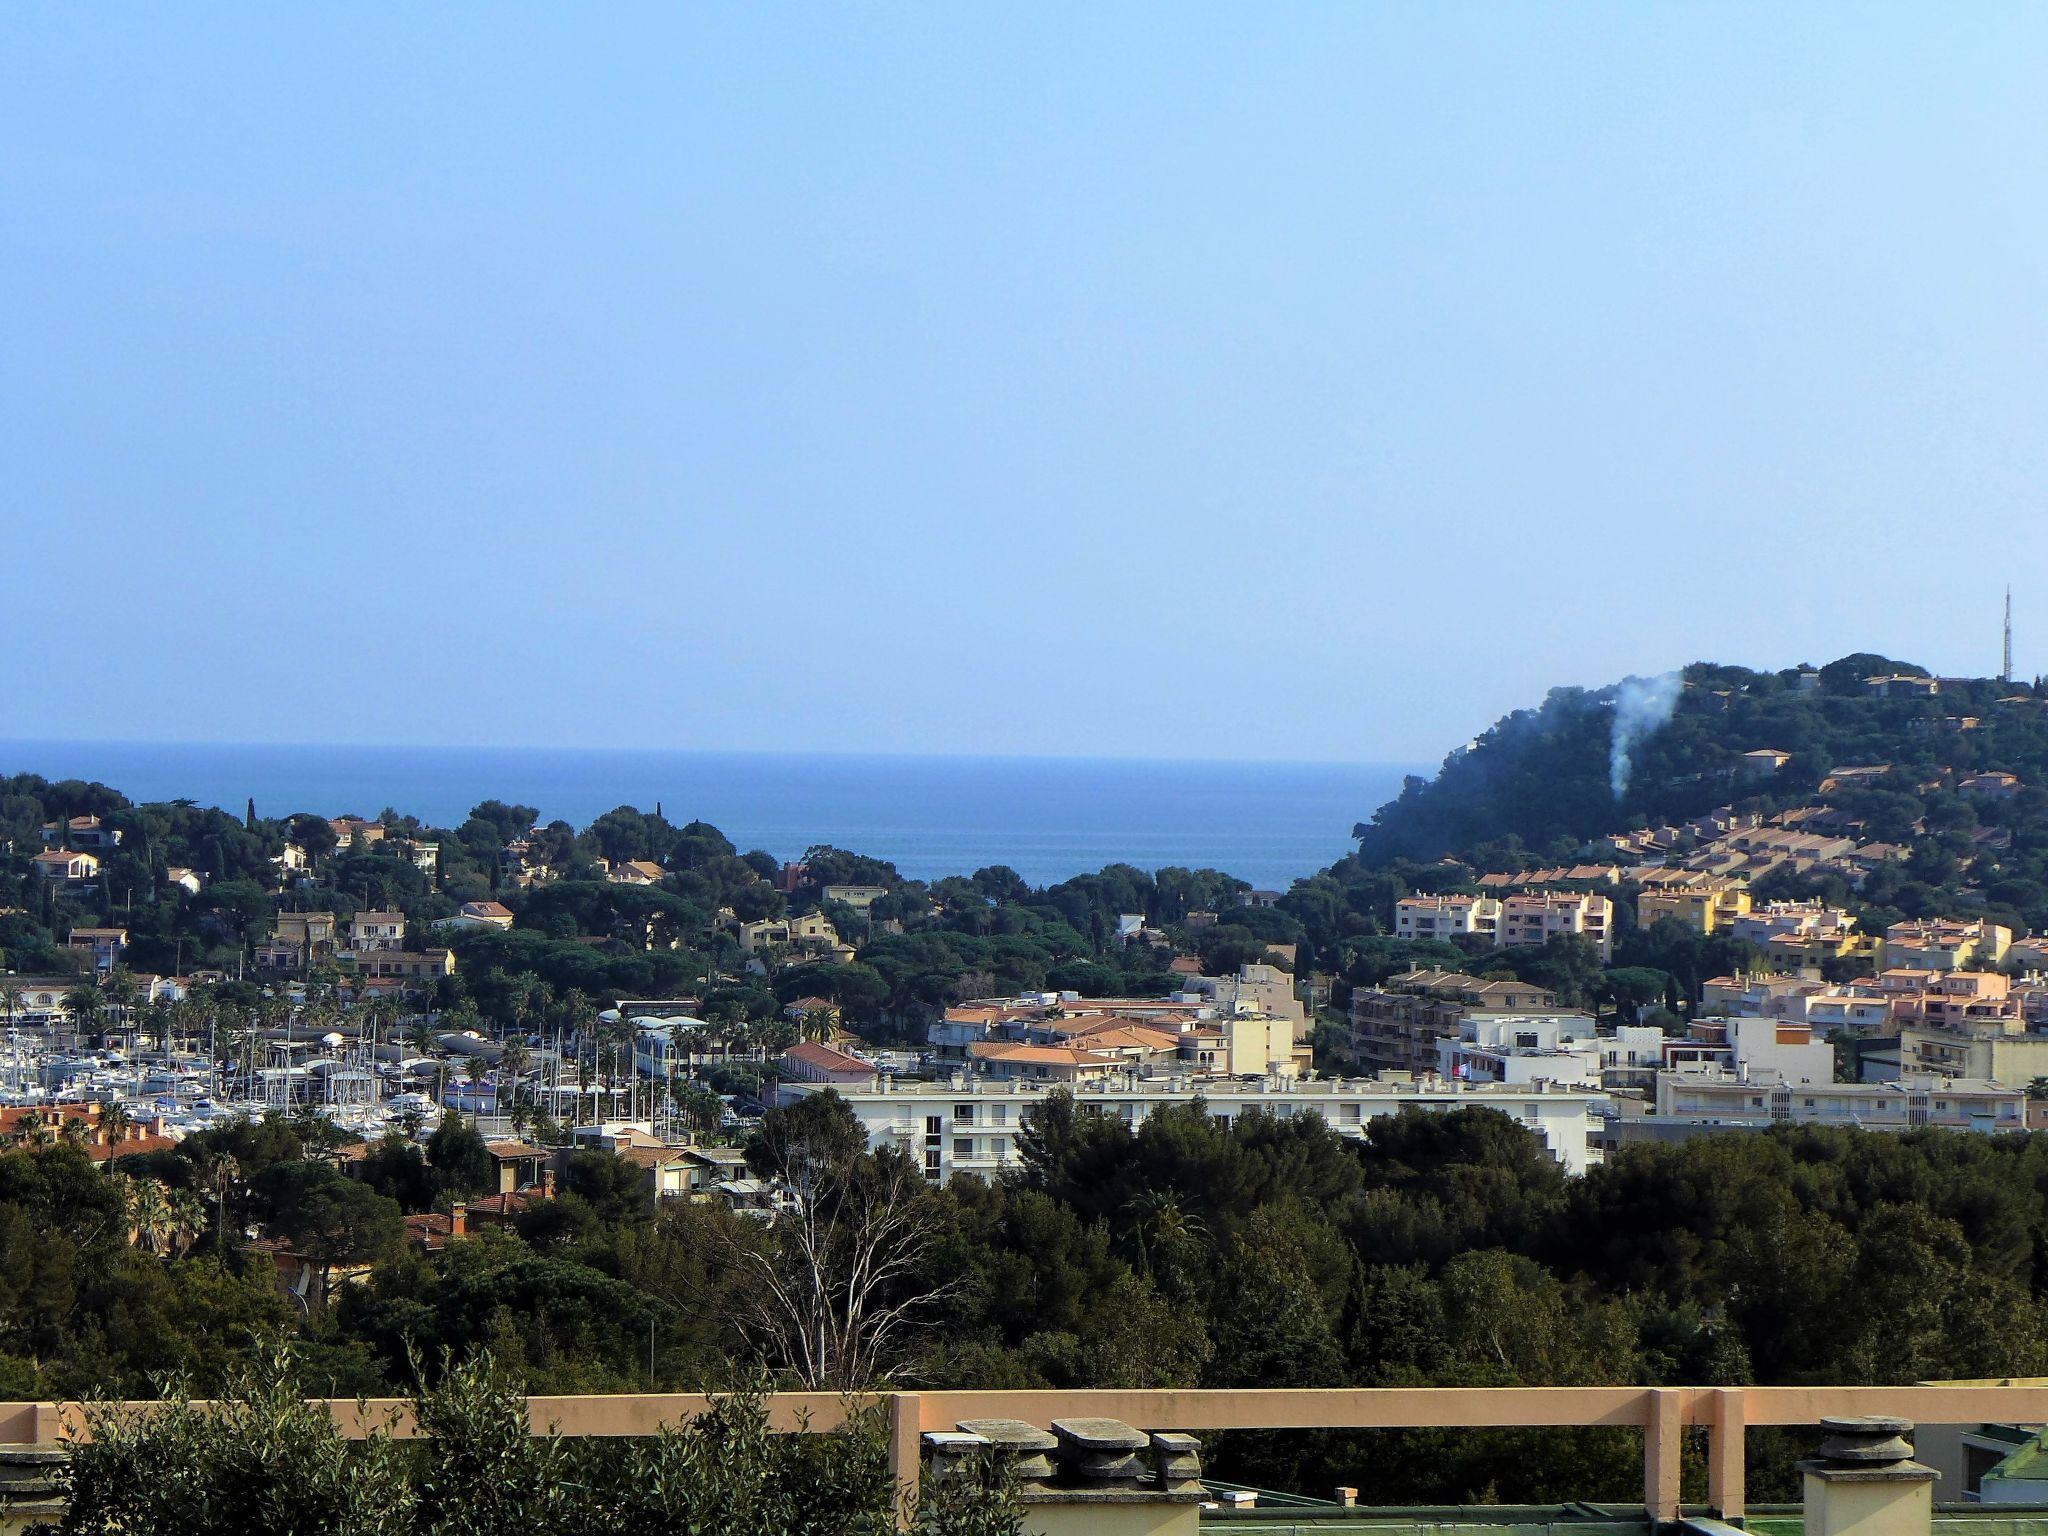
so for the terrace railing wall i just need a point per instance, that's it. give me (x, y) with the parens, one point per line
(1662, 1414)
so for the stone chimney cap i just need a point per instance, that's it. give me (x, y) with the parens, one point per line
(1873, 1444)
(1011, 1434)
(1867, 1424)
(1100, 1435)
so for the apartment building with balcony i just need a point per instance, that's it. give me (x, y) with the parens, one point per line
(376, 930)
(1709, 907)
(1495, 922)
(970, 1123)
(1716, 1098)
(1448, 918)
(1757, 992)
(1945, 944)
(1751, 1047)
(1395, 1027)
(1538, 917)
(1794, 919)
(1524, 1051)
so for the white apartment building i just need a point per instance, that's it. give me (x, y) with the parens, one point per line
(1448, 917)
(1944, 944)
(1527, 1049)
(1539, 916)
(1791, 920)
(970, 1124)
(1511, 921)
(1753, 1047)
(1958, 1104)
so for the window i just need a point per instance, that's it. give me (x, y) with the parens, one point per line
(963, 1146)
(964, 1112)
(931, 1164)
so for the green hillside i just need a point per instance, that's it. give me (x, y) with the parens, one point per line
(1541, 776)
(1535, 791)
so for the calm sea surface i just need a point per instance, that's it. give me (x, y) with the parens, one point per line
(1047, 818)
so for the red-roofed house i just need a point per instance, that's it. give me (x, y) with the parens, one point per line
(1003, 1060)
(810, 1062)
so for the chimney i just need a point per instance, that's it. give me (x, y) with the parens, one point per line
(458, 1219)
(1865, 1480)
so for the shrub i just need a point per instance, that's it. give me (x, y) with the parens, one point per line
(263, 1459)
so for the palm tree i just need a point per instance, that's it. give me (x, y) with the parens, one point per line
(81, 1007)
(187, 1015)
(580, 1012)
(1159, 1222)
(383, 1015)
(115, 1123)
(218, 1178)
(150, 1216)
(515, 1059)
(120, 993)
(125, 1191)
(185, 1220)
(157, 1024)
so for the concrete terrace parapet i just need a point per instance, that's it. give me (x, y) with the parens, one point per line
(1662, 1416)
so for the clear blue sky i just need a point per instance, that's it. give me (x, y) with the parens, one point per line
(1265, 381)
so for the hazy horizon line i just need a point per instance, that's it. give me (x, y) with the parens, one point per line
(8, 744)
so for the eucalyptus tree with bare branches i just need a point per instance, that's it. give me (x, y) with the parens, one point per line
(843, 1280)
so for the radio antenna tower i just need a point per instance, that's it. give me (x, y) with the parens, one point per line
(2006, 675)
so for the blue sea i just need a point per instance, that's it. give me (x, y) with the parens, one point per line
(1047, 818)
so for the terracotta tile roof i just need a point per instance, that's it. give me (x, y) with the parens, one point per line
(825, 1059)
(1037, 1055)
(509, 1205)
(134, 1146)
(1129, 1037)
(652, 1157)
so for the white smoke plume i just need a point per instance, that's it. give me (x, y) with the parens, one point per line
(1641, 706)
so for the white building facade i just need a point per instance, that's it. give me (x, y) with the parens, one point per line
(970, 1124)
